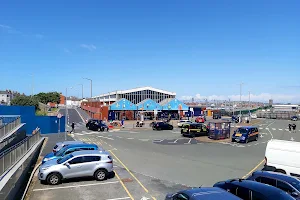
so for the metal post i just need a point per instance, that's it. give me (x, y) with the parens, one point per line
(241, 102)
(249, 107)
(66, 117)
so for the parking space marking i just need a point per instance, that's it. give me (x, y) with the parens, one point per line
(259, 164)
(119, 198)
(130, 138)
(106, 137)
(123, 185)
(189, 141)
(144, 140)
(175, 141)
(74, 186)
(129, 171)
(260, 128)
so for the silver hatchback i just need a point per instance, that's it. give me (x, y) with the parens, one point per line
(95, 163)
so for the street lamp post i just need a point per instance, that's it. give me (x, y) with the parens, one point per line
(81, 90)
(67, 114)
(91, 85)
(241, 102)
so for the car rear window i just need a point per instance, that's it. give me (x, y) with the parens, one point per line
(55, 147)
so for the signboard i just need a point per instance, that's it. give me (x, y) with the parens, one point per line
(59, 115)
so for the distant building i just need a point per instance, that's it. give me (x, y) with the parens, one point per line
(270, 102)
(5, 97)
(285, 108)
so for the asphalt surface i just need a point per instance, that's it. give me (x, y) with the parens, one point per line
(73, 115)
(150, 164)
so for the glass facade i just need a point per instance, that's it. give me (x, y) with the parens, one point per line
(136, 97)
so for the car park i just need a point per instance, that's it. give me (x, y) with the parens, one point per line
(70, 149)
(60, 145)
(96, 125)
(194, 129)
(181, 122)
(94, 163)
(245, 134)
(162, 126)
(211, 193)
(252, 190)
(282, 156)
(284, 182)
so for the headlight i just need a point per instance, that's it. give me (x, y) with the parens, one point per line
(46, 159)
(243, 138)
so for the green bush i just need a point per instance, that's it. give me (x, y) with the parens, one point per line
(25, 101)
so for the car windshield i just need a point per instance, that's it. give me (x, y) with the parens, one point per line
(242, 130)
(296, 184)
(64, 159)
(61, 151)
(281, 195)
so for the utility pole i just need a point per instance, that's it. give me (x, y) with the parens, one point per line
(66, 115)
(81, 90)
(91, 86)
(241, 102)
(249, 106)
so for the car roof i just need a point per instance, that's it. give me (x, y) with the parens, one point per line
(70, 142)
(248, 127)
(255, 186)
(209, 193)
(276, 175)
(89, 152)
(80, 145)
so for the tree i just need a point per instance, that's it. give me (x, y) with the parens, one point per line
(25, 101)
(45, 98)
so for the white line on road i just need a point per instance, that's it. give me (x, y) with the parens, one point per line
(74, 186)
(189, 141)
(261, 128)
(106, 137)
(157, 140)
(175, 141)
(274, 129)
(119, 198)
(109, 135)
(144, 140)
(130, 138)
(287, 129)
(280, 129)
(267, 128)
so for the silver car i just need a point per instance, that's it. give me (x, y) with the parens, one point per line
(60, 145)
(95, 163)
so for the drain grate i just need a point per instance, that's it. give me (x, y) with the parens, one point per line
(126, 180)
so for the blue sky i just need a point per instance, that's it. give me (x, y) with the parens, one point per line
(195, 48)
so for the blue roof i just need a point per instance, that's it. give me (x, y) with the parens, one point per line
(276, 175)
(123, 104)
(212, 193)
(173, 104)
(148, 104)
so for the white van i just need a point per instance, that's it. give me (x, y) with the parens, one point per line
(283, 156)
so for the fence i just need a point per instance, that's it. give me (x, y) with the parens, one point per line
(8, 123)
(11, 156)
(276, 115)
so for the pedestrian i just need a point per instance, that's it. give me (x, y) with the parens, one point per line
(294, 128)
(290, 127)
(73, 127)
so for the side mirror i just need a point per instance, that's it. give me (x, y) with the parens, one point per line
(67, 164)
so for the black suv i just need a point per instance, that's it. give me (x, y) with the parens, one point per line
(162, 126)
(96, 125)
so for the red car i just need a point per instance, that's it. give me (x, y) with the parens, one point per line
(200, 120)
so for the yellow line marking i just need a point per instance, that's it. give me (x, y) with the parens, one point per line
(153, 198)
(129, 171)
(125, 188)
(253, 169)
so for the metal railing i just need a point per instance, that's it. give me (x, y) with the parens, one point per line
(9, 122)
(12, 155)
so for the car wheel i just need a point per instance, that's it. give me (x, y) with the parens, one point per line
(246, 141)
(100, 174)
(99, 129)
(171, 127)
(54, 179)
(256, 137)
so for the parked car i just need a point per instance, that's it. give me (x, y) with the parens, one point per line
(217, 116)
(284, 182)
(77, 164)
(194, 129)
(96, 125)
(294, 118)
(212, 193)
(200, 119)
(245, 134)
(70, 149)
(252, 190)
(253, 116)
(181, 122)
(162, 126)
(60, 145)
(282, 156)
(235, 118)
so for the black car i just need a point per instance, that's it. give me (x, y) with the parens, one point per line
(282, 181)
(96, 125)
(217, 116)
(162, 126)
(250, 190)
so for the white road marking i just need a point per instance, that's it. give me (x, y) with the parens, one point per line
(79, 134)
(106, 137)
(157, 140)
(133, 132)
(109, 135)
(287, 129)
(261, 136)
(261, 128)
(292, 139)
(256, 144)
(144, 140)
(130, 138)
(75, 186)
(189, 141)
(249, 145)
(274, 129)
(267, 128)
(280, 129)
(175, 141)
(263, 142)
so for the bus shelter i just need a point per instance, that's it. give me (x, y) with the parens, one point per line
(219, 130)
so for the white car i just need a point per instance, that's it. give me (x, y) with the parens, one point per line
(253, 116)
(181, 122)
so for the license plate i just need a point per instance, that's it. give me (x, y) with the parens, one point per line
(237, 140)
(238, 135)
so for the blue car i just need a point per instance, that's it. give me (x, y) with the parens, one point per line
(70, 149)
(284, 182)
(250, 190)
(245, 134)
(202, 193)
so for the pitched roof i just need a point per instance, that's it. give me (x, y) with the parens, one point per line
(165, 101)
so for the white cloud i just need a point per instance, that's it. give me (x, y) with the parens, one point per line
(263, 97)
(67, 50)
(90, 47)
(4, 26)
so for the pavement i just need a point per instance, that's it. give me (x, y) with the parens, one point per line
(150, 164)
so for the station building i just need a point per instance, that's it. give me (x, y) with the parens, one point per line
(143, 103)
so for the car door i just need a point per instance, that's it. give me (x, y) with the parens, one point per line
(73, 168)
(89, 165)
